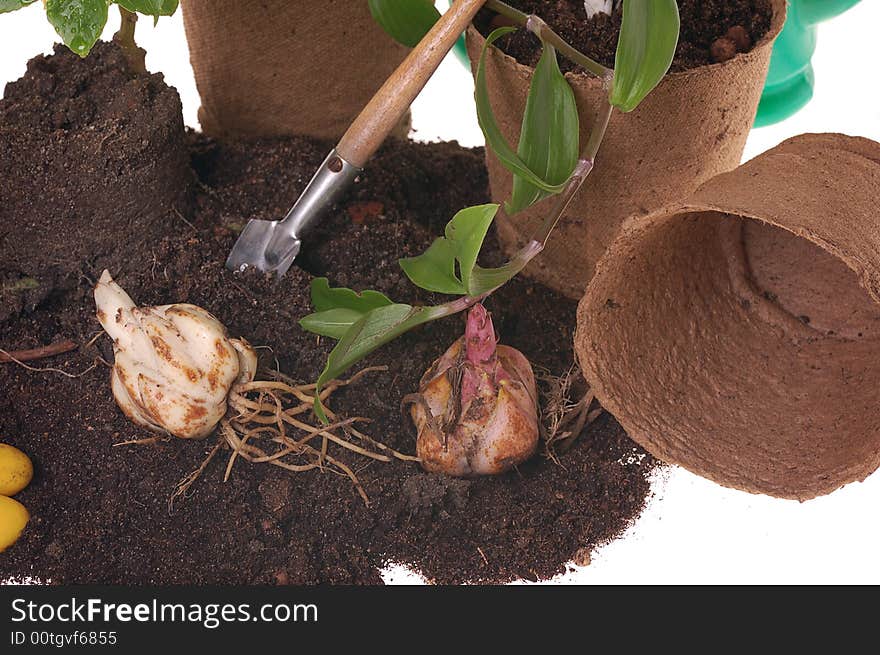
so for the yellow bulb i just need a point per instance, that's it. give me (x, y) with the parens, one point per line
(13, 518)
(16, 470)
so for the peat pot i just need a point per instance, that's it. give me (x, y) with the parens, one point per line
(738, 333)
(692, 127)
(281, 67)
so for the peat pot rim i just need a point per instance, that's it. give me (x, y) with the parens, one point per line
(777, 22)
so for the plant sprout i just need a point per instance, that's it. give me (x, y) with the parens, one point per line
(549, 161)
(174, 365)
(476, 407)
(80, 23)
(177, 372)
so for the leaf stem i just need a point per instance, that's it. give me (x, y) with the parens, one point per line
(539, 28)
(457, 305)
(539, 240)
(581, 170)
(125, 39)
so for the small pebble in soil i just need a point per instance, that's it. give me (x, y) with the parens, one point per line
(582, 557)
(365, 211)
(740, 36)
(723, 49)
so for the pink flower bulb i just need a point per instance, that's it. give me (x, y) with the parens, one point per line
(476, 410)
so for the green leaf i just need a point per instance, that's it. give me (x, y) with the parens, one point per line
(549, 139)
(405, 21)
(12, 5)
(494, 138)
(324, 297)
(79, 23)
(337, 309)
(648, 36)
(154, 8)
(434, 270)
(333, 323)
(374, 329)
(467, 230)
(485, 280)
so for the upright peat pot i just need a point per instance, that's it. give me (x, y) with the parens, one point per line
(738, 334)
(283, 67)
(691, 127)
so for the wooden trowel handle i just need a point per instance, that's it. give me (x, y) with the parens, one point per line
(386, 108)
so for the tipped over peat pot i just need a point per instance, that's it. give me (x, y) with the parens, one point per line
(283, 67)
(738, 334)
(692, 127)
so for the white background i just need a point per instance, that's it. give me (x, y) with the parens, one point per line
(693, 531)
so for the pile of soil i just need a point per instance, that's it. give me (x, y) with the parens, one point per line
(100, 513)
(93, 153)
(703, 24)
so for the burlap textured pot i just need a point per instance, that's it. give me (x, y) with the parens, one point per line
(690, 128)
(738, 335)
(280, 67)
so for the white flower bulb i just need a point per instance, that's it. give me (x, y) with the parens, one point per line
(174, 364)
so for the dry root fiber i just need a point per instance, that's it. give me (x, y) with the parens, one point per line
(271, 422)
(567, 407)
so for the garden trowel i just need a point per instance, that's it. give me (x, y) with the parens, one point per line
(272, 246)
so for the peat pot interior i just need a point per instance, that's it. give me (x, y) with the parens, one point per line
(743, 345)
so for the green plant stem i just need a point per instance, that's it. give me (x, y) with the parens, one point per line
(24, 284)
(455, 306)
(538, 242)
(581, 170)
(539, 28)
(125, 38)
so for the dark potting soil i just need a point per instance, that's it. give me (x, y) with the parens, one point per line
(87, 145)
(704, 24)
(100, 513)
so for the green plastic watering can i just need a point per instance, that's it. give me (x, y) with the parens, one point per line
(789, 83)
